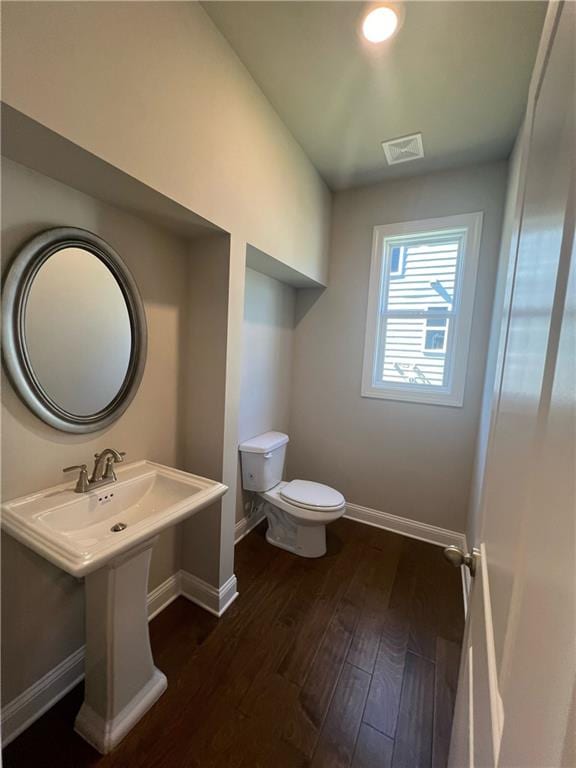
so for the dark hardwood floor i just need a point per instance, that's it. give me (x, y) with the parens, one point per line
(346, 661)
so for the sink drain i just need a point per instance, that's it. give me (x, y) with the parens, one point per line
(118, 527)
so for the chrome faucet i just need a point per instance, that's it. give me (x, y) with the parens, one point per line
(103, 472)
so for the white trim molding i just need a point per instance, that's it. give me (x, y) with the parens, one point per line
(442, 537)
(32, 703)
(216, 601)
(25, 709)
(464, 228)
(163, 595)
(247, 524)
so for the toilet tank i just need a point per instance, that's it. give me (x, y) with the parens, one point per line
(263, 461)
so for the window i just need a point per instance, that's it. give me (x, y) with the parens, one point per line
(396, 261)
(421, 295)
(435, 334)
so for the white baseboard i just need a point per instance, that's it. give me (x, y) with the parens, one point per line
(163, 595)
(246, 524)
(214, 600)
(22, 711)
(442, 537)
(26, 708)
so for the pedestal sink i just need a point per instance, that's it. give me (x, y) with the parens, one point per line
(106, 536)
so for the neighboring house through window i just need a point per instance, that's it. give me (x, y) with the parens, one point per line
(436, 333)
(396, 261)
(421, 296)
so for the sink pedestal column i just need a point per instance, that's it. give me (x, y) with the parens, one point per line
(121, 681)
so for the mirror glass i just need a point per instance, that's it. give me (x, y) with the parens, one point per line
(77, 331)
(74, 335)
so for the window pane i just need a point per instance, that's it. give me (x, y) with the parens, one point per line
(419, 314)
(435, 341)
(428, 275)
(413, 349)
(407, 357)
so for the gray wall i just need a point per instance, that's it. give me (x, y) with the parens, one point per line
(189, 121)
(42, 607)
(204, 402)
(402, 458)
(267, 343)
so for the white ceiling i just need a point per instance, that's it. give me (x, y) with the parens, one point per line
(456, 71)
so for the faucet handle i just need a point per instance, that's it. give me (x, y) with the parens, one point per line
(81, 467)
(109, 473)
(82, 484)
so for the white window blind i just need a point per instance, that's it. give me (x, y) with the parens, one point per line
(420, 309)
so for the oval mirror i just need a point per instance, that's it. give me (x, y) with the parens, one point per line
(74, 330)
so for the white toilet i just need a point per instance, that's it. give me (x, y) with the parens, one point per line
(297, 511)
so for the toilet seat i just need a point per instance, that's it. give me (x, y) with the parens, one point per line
(309, 495)
(303, 515)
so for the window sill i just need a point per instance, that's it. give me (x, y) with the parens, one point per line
(449, 399)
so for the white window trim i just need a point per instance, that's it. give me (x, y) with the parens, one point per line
(453, 393)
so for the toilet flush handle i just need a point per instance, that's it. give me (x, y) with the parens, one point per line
(268, 455)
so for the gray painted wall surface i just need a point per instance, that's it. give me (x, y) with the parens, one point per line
(204, 400)
(267, 343)
(188, 121)
(402, 458)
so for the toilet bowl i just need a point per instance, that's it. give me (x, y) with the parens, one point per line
(297, 511)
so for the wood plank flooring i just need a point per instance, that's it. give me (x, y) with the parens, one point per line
(349, 661)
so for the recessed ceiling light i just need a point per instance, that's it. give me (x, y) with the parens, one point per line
(380, 24)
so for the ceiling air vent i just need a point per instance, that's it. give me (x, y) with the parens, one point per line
(403, 149)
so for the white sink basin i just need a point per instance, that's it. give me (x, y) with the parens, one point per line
(73, 530)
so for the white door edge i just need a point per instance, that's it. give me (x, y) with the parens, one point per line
(496, 706)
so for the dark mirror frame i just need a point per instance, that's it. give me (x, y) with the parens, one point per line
(17, 284)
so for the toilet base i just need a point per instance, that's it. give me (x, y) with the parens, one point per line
(284, 532)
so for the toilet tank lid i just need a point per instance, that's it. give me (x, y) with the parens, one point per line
(264, 443)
